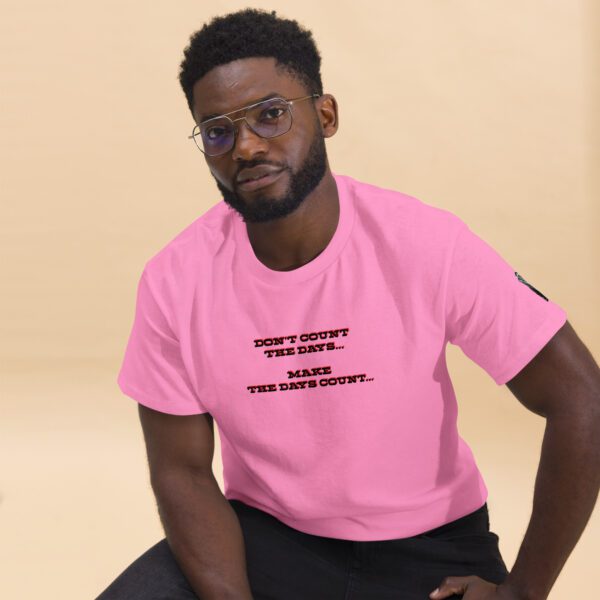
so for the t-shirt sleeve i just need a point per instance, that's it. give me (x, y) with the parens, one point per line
(153, 372)
(497, 318)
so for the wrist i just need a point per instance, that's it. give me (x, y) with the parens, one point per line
(519, 591)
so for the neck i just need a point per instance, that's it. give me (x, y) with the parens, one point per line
(296, 239)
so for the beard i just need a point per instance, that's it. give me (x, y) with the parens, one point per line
(264, 208)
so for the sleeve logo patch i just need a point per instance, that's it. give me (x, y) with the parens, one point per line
(530, 286)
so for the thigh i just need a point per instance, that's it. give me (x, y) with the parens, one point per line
(281, 562)
(155, 575)
(411, 568)
(286, 564)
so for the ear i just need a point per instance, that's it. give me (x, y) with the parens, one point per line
(327, 110)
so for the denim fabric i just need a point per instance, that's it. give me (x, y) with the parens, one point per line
(287, 564)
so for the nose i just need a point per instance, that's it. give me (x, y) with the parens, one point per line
(247, 143)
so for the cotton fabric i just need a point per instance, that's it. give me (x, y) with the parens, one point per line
(329, 382)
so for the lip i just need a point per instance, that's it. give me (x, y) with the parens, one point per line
(262, 182)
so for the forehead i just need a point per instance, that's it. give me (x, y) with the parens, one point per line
(239, 83)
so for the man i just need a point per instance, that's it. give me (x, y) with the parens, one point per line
(308, 314)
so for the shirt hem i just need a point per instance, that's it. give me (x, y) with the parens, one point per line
(151, 402)
(377, 527)
(541, 337)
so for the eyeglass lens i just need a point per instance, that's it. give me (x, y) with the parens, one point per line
(267, 119)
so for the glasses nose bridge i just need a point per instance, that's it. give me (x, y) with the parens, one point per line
(240, 143)
(248, 125)
(236, 128)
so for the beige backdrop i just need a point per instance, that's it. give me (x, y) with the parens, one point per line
(488, 109)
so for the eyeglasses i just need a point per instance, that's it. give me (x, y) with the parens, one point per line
(267, 119)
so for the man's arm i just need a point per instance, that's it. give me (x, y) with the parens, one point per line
(561, 384)
(201, 527)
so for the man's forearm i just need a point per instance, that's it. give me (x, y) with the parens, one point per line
(204, 534)
(566, 489)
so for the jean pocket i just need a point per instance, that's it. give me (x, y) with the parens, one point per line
(474, 537)
(474, 523)
(464, 537)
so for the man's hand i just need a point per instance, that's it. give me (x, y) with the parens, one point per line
(473, 588)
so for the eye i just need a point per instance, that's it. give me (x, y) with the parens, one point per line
(215, 132)
(272, 114)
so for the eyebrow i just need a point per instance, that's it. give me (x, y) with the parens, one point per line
(267, 97)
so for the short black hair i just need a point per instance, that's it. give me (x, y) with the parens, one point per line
(250, 33)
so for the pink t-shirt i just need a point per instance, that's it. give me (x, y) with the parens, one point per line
(329, 382)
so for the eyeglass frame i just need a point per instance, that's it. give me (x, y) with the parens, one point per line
(243, 118)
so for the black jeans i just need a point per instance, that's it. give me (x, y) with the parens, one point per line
(287, 564)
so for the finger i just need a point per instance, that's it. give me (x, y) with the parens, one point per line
(451, 585)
